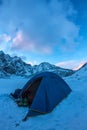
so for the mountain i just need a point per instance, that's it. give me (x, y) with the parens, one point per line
(13, 66)
(16, 66)
(84, 66)
(44, 66)
(81, 72)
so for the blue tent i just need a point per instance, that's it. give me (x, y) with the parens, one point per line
(48, 90)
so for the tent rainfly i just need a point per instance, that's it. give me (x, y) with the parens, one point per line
(47, 90)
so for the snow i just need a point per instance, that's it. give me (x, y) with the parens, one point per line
(70, 114)
(9, 85)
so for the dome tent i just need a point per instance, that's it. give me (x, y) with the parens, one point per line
(47, 90)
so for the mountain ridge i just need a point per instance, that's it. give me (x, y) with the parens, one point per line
(15, 66)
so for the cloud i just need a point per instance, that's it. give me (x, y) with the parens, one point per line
(4, 38)
(4, 42)
(22, 42)
(40, 25)
(72, 64)
(33, 62)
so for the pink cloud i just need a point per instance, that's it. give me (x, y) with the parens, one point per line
(18, 38)
(5, 38)
(72, 64)
(80, 65)
(22, 42)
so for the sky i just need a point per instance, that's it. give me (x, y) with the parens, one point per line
(51, 31)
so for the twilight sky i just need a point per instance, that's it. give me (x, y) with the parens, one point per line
(51, 31)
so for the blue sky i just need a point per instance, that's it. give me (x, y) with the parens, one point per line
(51, 31)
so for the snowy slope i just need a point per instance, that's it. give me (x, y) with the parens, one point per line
(70, 114)
(81, 73)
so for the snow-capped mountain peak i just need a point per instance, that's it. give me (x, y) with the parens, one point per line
(16, 66)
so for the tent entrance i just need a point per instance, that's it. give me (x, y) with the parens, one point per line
(32, 89)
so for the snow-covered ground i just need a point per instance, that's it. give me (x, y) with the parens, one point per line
(70, 114)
